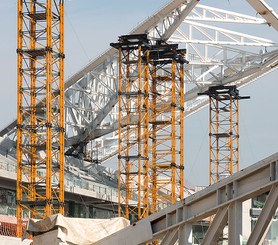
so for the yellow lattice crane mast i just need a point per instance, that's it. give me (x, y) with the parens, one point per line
(133, 101)
(224, 131)
(166, 125)
(151, 125)
(40, 110)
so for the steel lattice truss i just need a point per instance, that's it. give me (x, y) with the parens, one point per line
(174, 224)
(133, 147)
(224, 138)
(166, 126)
(216, 56)
(224, 131)
(40, 121)
(151, 125)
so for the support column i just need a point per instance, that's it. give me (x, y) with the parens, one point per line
(151, 125)
(170, 238)
(235, 223)
(216, 227)
(188, 235)
(265, 218)
(167, 125)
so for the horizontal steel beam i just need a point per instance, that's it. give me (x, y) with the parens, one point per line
(265, 11)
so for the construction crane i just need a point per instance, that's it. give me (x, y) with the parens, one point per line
(40, 110)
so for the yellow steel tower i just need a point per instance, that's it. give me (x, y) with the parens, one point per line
(167, 125)
(133, 158)
(224, 131)
(40, 110)
(151, 125)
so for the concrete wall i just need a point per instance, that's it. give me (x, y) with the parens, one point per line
(6, 240)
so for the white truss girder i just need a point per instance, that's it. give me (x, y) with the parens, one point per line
(265, 11)
(205, 13)
(216, 56)
(174, 223)
(218, 36)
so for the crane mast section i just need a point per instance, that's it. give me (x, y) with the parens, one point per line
(166, 125)
(133, 99)
(224, 131)
(40, 110)
(150, 126)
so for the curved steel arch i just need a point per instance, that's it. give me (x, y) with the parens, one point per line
(216, 55)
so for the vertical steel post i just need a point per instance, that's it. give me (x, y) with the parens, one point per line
(61, 128)
(181, 145)
(153, 134)
(173, 134)
(120, 118)
(146, 135)
(19, 194)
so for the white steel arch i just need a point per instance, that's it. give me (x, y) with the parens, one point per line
(216, 56)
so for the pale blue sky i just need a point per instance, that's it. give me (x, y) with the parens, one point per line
(91, 25)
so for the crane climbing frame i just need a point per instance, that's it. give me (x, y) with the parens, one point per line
(133, 175)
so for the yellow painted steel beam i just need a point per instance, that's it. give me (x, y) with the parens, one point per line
(120, 181)
(154, 142)
(61, 158)
(146, 135)
(138, 103)
(181, 96)
(173, 134)
(49, 112)
(19, 193)
(33, 112)
(237, 135)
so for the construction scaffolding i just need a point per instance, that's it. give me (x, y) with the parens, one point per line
(151, 125)
(224, 131)
(40, 110)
